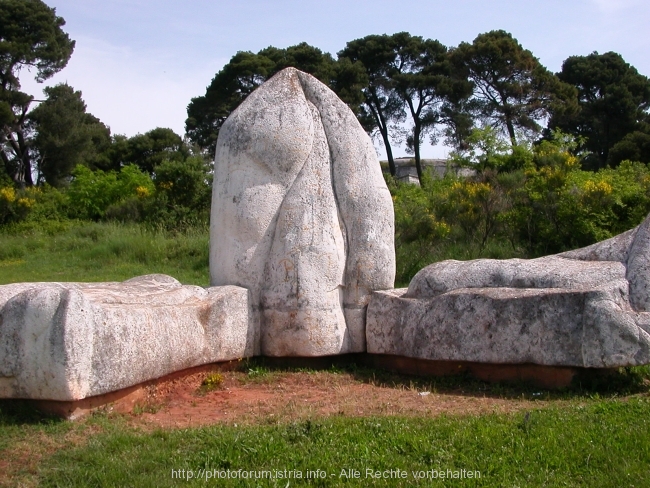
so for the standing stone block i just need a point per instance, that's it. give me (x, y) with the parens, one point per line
(301, 216)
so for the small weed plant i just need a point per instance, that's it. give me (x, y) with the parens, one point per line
(211, 382)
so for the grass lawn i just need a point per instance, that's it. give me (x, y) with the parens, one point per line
(594, 436)
(85, 251)
(579, 441)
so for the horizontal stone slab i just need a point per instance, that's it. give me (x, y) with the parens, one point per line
(588, 328)
(69, 341)
(548, 272)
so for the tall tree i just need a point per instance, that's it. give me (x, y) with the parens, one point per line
(66, 135)
(31, 36)
(306, 58)
(513, 91)
(614, 100)
(206, 114)
(239, 77)
(147, 151)
(426, 82)
(381, 106)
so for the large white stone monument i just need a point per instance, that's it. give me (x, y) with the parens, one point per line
(69, 341)
(301, 240)
(301, 216)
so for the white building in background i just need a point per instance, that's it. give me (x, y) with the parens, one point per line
(406, 172)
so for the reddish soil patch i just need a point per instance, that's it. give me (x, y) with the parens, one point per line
(284, 396)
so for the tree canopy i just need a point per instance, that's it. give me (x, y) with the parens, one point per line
(428, 85)
(401, 87)
(513, 90)
(380, 107)
(613, 99)
(405, 75)
(66, 136)
(150, 149)
(31, 36)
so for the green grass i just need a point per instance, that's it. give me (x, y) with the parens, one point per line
(601, 443)
(86, 251)
(596, 434)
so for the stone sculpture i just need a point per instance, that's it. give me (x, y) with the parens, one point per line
(301, 216)
(68, 341)
(302, 264)
(586, 308)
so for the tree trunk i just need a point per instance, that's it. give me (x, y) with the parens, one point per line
(25, 168)
(380, 120)
(389, 155)
(417, 129)
(17, 165)
(416, 151)
(511, 132)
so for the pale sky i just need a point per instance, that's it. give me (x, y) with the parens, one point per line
(138, 63)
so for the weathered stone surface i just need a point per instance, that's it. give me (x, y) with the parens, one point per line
(68, 341)
(553, 327)
(638, 267)
(546, 272)
(364, 205)
(584, 308)
(614, 249)
(301, 217)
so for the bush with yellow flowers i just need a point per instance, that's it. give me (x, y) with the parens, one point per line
(15, 204)
(528, 201)
(562, 207)
(119, 195)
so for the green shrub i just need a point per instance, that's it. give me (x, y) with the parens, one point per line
(183, 192)
(132, 209)
(92, 193)
(562, 207)
(529, 202)
(43, 203)
(11, 207)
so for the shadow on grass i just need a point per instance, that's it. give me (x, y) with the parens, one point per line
(619, 381)
(23, 412)
(608, 383)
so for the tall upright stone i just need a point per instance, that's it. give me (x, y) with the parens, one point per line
(301, 216)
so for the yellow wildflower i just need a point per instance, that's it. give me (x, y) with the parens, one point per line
(26, 202)
(600, 187)
(8, 194)
(142, 191)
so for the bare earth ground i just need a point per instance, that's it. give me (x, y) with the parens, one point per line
(285, 396)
